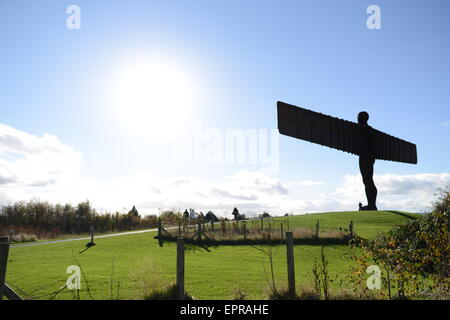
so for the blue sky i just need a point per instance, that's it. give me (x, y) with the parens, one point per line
(239, 57)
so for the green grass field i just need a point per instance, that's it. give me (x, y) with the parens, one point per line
(120, 267)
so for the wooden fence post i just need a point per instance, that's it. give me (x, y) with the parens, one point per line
(350, 228)
(199, 232)
(317, 228)
(290, 264)
(92, 234)
(212, 224)
(4, 249)
(262, 224)
(287, 222)
(224, 227)
(282, 234)
(160, 241)
(180, 268)
(245, 231)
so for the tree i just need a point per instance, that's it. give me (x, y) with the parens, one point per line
(46, 220)
(84, 213)
(235, 213)
(133, 212)
(211, 217)
(265, 215)
(168, 216)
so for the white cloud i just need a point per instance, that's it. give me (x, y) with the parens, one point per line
(257, 181)
(397, 192)
(305, 183)
(30, 160)
(43, 167)
(253, 192)
(244, 189)
(445, 124)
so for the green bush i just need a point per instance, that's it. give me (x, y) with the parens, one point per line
(415, 255)
(168, 293)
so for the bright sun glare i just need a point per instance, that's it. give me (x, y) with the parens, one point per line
(154, 99)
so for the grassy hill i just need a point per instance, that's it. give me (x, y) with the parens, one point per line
(367, 224)
(124, 266)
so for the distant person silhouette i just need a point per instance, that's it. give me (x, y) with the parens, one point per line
(367, 160)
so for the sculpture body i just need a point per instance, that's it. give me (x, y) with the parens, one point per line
(356, 138)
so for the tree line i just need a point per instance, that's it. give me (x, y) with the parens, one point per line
(42, 217)
(46, 220)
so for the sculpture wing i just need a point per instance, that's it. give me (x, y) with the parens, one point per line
(340, 134)
(318, 128)
(391, 148)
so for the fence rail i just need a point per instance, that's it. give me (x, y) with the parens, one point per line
(249, 232)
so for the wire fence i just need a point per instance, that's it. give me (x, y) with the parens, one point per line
(124, 287)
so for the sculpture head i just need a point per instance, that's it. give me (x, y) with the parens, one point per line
(363, 117)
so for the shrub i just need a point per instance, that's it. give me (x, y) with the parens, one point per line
(321, 276)
(149, 285)
(308, 294)
(23, 237)
(239, 294)
(281, 294)
(167, 293)
(305, 293)
(415, 255)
